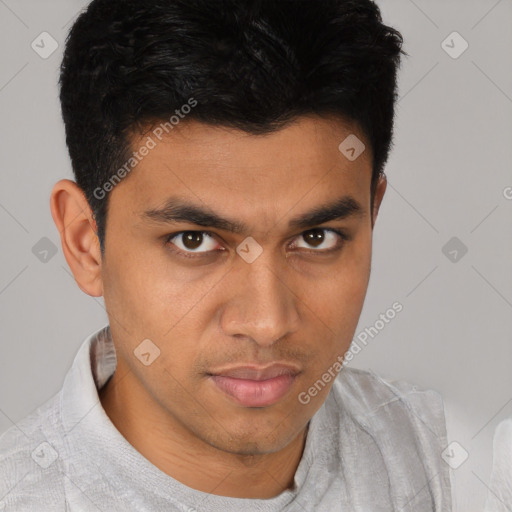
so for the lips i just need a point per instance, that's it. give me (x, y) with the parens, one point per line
(252, 386)
(258, 373)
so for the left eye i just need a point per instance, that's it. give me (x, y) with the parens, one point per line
(316, 237)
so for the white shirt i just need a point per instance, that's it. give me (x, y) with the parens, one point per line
(373, 446)
(499, 498)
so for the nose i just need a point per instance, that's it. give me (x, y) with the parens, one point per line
(261, 305)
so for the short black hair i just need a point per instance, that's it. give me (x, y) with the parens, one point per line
(249, 64)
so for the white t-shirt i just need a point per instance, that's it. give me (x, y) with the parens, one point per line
(373, 446)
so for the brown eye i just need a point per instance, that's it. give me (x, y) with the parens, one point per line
(321, 240)
(314, 237)
(193, 240)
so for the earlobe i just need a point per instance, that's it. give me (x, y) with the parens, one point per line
(380, 189)
(77, 228)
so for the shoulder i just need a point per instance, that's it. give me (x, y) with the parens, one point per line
(398, 429)
(366, 394)
(392, 415)
(30, 473)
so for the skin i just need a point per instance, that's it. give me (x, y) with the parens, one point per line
(291, 304)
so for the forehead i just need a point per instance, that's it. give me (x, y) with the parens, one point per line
(265, 176)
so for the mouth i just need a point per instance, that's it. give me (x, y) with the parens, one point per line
(252, 386)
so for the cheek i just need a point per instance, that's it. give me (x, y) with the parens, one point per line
(145, 302)
(145, 289)
(339, 297)
(153, 298)
(336, 304)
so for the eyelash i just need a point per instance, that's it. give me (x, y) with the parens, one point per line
(184, 254)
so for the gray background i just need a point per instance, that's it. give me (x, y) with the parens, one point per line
(448, 176)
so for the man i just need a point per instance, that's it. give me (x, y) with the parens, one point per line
(229, 162)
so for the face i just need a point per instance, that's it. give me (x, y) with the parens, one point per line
(249, 296)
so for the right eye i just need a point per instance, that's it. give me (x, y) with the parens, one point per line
(188, 242)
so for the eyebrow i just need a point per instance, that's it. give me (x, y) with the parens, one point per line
(177, 209)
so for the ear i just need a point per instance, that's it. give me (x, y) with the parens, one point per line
(380, 189)
(77, 228)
